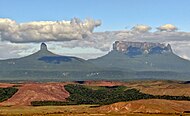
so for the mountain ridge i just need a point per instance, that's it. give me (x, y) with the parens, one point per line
(127, 61)
(122, 56)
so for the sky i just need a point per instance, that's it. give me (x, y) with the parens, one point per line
(114, 14)
(96, 25)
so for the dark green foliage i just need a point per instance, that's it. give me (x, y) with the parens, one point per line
(80, 94)
(50, 103)
(6, 93)
(173, 97)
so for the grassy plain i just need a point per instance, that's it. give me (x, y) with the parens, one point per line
(75, 110)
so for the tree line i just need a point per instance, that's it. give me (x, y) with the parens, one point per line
(80, 94)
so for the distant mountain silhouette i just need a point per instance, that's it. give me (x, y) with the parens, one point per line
(140, 56)
(152, 60)
(43, 65)
(127, 61)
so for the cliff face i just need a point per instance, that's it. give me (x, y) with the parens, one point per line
(139, 48)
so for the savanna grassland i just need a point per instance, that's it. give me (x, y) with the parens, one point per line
(95, 98)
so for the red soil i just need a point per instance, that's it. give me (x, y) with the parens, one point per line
(103, 83)
(5, 85)
(162, 88)
(38, 92)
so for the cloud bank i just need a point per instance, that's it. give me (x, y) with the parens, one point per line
(43, 31)
(104, 40)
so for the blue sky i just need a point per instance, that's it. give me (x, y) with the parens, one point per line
(114, 14)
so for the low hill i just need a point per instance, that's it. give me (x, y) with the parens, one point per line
(37, 92)
(148, 106)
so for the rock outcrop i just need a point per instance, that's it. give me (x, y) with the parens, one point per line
(43, 47)
(139, 48)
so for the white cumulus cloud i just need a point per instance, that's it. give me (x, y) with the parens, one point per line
(43, 31)
(141, 28)
(168, 28)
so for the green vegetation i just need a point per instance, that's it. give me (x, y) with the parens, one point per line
(51, 103)
(80, 94)
(83, 95)
(6, 93)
